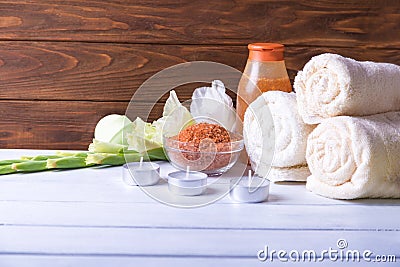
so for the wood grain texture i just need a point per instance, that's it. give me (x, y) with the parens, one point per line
(86, 71)
(63, 65)
(59, 82)
(56, 124)
(318, 23)
(113, 72)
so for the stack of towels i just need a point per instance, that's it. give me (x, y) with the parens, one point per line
(345, 125)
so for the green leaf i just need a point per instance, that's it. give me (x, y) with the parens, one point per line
(143, 137)
(104, 147)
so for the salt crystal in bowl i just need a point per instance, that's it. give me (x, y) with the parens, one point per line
(208, 153)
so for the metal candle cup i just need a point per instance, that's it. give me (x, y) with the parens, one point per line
(141, 173)
(254, 191)
(187, 183)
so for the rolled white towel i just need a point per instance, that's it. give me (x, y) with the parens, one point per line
(355, 157)
(331, 85)
(273, 117)
(292, 174)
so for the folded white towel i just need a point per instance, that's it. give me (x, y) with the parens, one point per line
(275, 133)
(331, 85)
(355, 157)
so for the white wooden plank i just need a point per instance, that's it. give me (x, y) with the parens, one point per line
(105, 185)
(88, 217)
(65, 261)
(257, 216)
(197, 248)
(93, 185)
(127, 242)
(86, 261)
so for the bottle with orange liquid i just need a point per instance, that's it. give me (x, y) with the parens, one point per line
(265, 71)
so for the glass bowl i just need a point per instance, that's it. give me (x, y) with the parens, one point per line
(209, 157)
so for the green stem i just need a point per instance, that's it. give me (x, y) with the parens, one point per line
(6, 169)
(119, 159)
(39, 157)
(66, 163)
(30, 166)
(45, 157)
(156, 154)
(72, 160)
(111, 159)
(72, 154)
(11, 161)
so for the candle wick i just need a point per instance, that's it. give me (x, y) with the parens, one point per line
(187, 172)
(141, 162)
(249, 181)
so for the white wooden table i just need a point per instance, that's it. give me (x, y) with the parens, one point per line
(88, 217)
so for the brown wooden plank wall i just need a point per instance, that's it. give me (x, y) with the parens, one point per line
(65, 64)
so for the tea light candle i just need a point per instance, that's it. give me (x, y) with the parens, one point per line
(141, 173)
(187, 183)
(250, 189)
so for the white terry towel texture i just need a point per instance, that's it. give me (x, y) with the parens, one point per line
(291, 174)
(275, 113)
(332, 85)
(355, 157)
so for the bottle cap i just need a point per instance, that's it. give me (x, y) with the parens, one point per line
(266, 51)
